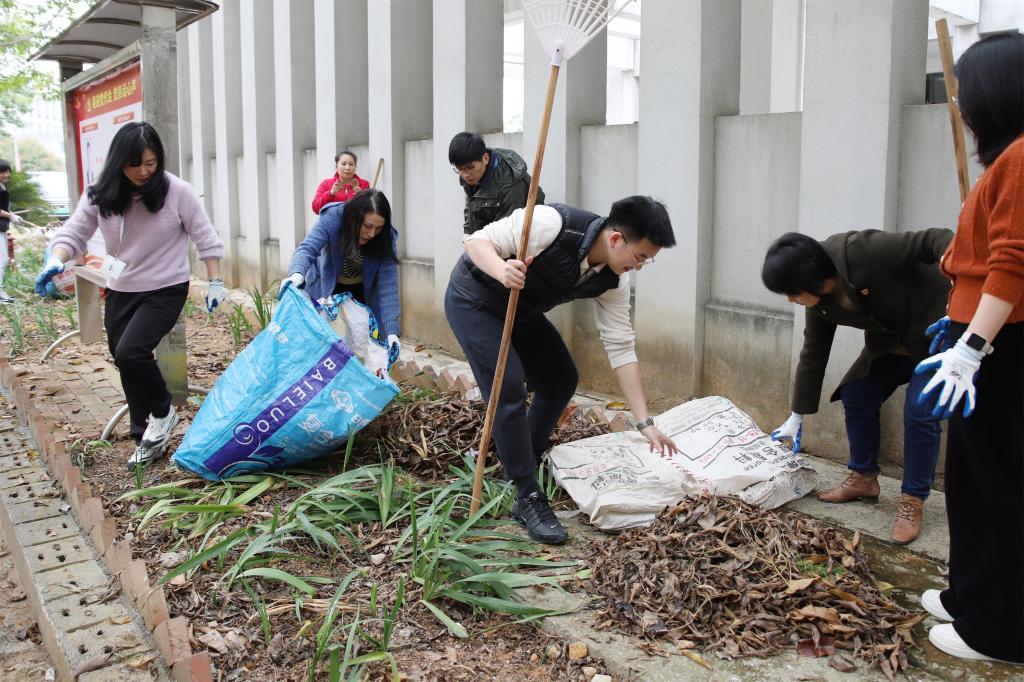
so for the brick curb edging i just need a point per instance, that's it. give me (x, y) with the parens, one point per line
(171, 634)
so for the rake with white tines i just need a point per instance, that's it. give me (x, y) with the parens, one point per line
(563, 27)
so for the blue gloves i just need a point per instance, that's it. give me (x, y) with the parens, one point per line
(215, 294)
(938, 332)
(793, 429)
(955, 370)
(394, 349)
(53, 266)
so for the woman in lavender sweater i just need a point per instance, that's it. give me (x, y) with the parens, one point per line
(146, 216)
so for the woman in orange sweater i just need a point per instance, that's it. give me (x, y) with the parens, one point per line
(985, 368)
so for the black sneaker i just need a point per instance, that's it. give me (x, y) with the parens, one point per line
(534, 514)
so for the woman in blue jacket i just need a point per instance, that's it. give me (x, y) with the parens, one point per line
(352, 248)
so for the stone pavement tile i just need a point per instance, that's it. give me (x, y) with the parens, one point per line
(119, 672)
(50, 555)
(68, 613)
(39, 490)
(30, 473)
(45, 530)
(70, 580)
(33, 510)
(10, 462)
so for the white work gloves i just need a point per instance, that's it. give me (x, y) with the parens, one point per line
(793, 429)
(215, 294)
(954, 373)
(16, 219)
(294, 279)
(394, 349)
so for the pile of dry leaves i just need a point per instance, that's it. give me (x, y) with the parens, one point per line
(426, 432)
(722, 576)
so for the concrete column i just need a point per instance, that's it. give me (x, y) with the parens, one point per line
(677, 167)
(257, 66)
(399, 90)
(756, 56)
(160, 78)
(184, 111)
(467, 96)
(294, 73)
(227, 113)
(580, 100)
(341, 39)
(787, 56)
(67, 70)
(864, 62)
(200, 80)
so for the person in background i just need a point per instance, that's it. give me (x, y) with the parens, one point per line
(6, 218)
(495, 180)
(985, 369)
(343, 186)
(352, 248)
(147, 217)
(890, 286)
(572, 254)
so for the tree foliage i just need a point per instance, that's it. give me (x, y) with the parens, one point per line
(25, 194)
(25, 26)
(34, 155)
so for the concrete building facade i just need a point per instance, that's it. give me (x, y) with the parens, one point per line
(755, 117)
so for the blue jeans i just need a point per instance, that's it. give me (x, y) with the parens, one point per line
(862, 400)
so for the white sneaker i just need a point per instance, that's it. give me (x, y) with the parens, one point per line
(945, 638)
(158, 430)
(143, 456)
(5, 298)
(933, 604)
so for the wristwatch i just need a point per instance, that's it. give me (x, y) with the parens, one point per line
(640, 426)
(978, 343)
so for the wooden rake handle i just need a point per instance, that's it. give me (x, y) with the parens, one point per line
(513, 299)
(949, 76)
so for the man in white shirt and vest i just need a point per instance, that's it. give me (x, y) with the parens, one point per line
(572, 254)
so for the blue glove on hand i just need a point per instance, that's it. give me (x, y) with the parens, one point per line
(793, 429)
(394, 349)
(938, 332)
(53, 266)
(215, 295)
(955, 370)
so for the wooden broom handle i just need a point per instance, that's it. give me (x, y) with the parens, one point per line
(949, 76)
(513, 298)
(376, 173)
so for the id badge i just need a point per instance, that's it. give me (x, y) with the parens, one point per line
(112, 267)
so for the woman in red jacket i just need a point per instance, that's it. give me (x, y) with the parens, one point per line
(343, 186)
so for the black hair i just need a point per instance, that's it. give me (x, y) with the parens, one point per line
(797, 264)
(639, 217)
(367, 201)
(4, 166)
(991, 92)
(113, 192)
(466, 148)
(343, 152)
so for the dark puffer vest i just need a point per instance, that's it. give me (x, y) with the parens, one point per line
(554, 275)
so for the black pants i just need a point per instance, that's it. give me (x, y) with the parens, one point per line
(538, 361)
(135, 323)
(985, 504)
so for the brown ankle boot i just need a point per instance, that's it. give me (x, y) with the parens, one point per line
(857, 486)
(909, 515)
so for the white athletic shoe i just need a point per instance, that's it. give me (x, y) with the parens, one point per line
(5, 298)
(945, 638)
(143, 456)
(158, 430)
(933, 604)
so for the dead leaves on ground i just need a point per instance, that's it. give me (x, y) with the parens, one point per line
(727, 578)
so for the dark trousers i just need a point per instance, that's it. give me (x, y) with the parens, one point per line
(862, 402)
(985, 504)
(538, 361)
(135, 323)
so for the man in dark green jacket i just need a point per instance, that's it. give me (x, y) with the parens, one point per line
(495, 180)
(890, 286)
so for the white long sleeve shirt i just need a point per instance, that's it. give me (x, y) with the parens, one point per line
(611, 308)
